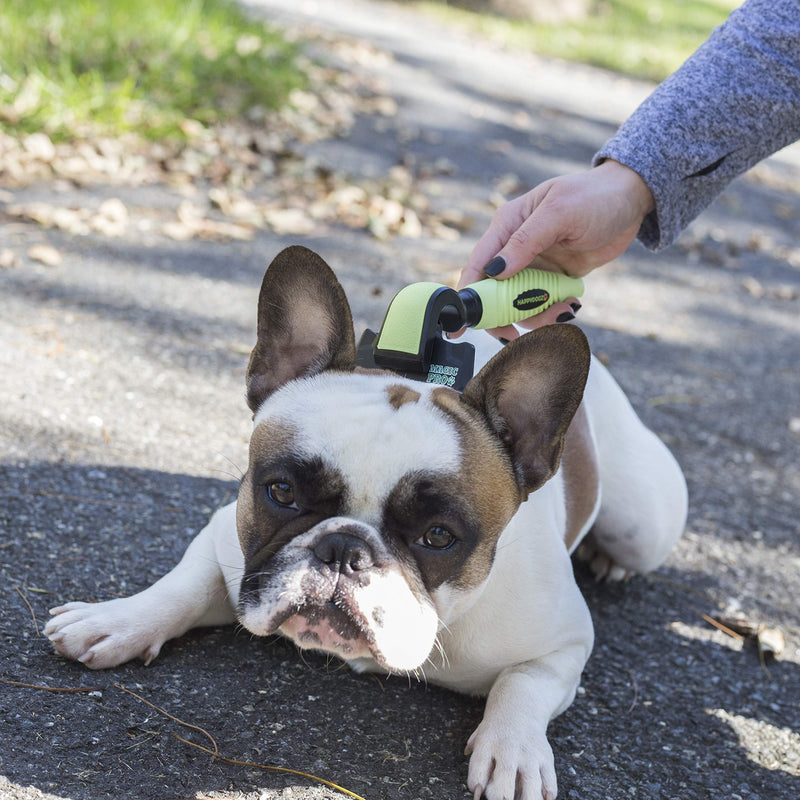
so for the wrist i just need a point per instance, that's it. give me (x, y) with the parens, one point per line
(632, 184)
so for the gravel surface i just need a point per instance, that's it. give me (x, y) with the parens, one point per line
(123, 426)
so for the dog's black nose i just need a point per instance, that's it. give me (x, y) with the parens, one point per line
(344, 553)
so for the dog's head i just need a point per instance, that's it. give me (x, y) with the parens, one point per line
(372, 504)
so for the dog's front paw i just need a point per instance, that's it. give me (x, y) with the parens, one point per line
(506, 765)
(603, 567)
(102, 635)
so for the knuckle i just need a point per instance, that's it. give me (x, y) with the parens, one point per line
(520, 240)
(500, 214)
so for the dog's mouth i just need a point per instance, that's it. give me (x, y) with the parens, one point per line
(318, 613)
(331, 628)
(379, 620)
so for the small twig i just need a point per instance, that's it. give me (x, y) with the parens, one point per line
(214, 753)
(30, 608)
(50, 688)
(378, 681)
(170, 716)
(271, 768)
(720, 626)
(635, 691)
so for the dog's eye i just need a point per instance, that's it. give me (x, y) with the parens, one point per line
(437, 538)
(281, 493)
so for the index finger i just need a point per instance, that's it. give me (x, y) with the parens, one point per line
(486, 248)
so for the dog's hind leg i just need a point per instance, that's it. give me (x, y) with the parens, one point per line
(644, 496)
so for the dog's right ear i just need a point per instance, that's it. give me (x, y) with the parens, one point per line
(304, 324)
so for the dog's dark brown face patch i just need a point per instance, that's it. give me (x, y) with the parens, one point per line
(448, 522)
(280, 482)
(429, 524)
(485, 483)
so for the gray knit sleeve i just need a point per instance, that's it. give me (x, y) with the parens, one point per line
(733, 103)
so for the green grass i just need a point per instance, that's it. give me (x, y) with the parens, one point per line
(86, 66)
(643, 38)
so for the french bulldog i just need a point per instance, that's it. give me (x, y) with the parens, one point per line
(409, 529)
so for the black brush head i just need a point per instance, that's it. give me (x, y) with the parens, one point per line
(446, 363)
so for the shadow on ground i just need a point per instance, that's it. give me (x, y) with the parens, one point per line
(663, 702)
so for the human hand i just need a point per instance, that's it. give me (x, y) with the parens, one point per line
(571, 224)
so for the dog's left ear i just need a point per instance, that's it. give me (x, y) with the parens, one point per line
(304, 324)
(529, 393)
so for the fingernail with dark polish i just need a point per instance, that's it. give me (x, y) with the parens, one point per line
(495, 266)
(576, 307)
(565, 317)
(503, 341)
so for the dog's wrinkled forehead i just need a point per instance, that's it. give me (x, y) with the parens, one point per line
(372, 428)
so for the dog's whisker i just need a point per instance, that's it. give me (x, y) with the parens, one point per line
(239, 471)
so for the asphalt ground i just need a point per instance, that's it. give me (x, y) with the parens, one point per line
(123, 426)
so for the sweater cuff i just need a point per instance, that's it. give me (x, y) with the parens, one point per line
(659, 228)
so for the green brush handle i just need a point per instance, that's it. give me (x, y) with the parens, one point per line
(418, 310)
(527, 293)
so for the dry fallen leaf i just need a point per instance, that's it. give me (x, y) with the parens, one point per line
(235, 205)
(39, 146)
(500, 146)
(45, 254)
(445, 232)
(34, 212)
(255, 171)
(178, 231)
(411, 227)
(72, 220)
(753, 287)
(508, 185)
(289, 221)
(8, 258)
(111, 219)
(212, 229)
(114, 210)
(771, 642)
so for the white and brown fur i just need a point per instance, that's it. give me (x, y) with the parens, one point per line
(406, 528)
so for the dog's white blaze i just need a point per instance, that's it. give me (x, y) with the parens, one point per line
(406, 637)
(347, 420)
